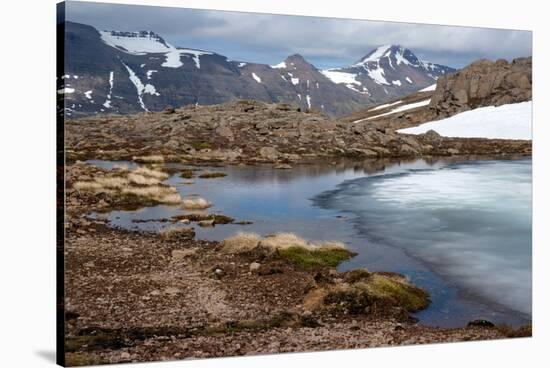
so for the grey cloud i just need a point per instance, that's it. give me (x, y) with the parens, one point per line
(324, 41)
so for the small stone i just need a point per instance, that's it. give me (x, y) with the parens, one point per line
(172, 290)
(283, 167)
(480, 323)
(125, 355)
(453, 151)
(206, 223)
(254, 266)
(180, 254)
(168, 110)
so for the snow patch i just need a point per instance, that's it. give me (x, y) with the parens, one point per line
(142, 43)
(65, 90)
(107, 102)
(195, 54)
(295, 81)
(256, 78)
(377, 75)
(409, 80)
(88, 94)
(240, 65)
(281, 65)
(512, 121)
(375, 55)
(396, 82)
(140, 87)
(308, 99)
(385, 105)
(397, 109)
(150, 73)
(429, 88)
(341, 77)
(400, 58)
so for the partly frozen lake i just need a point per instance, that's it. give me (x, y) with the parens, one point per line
(460, 229)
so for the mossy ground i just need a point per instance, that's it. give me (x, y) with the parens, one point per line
(377, 291)
(317, 258)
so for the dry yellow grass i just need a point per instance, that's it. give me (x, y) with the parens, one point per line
(290, 240)
(122, 167)
(150, 173)
(88, 186)
(142, 180)
(148, 159)
(241, 242)
(195, 203)
(112, 182)
(246, 241)
(163, 194)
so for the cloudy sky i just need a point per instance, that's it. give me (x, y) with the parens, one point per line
(325, 42)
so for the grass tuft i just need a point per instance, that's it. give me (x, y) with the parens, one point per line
(195, 203)
(302, 253)
(177, 232)
(148, 159)
(210, 175)
(241, 242)
(138, 186)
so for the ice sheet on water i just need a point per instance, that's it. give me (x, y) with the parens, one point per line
(470, 222)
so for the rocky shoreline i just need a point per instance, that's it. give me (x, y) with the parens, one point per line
(135, 296)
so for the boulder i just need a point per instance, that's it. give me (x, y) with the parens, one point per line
(168, 110)
(269, 153)
(483, 83)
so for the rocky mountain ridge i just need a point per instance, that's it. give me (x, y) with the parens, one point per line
(127, 72)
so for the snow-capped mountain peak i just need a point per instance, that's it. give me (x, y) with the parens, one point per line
(387, 71)
(375, 55)
(393, 54)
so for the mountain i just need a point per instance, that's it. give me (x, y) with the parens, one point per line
(387, 72)
(128, 72)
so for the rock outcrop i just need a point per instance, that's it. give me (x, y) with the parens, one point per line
(252, 131)
(483, 83)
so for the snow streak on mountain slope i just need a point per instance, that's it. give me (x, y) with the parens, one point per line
(145, 42)
(511, 121)
(402, 108)
(183, 76)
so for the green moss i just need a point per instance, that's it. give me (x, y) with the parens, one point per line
(360, 274)
(198, 145)
(397, 291)
(312, 259)
(379, 293)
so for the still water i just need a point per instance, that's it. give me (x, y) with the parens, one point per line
(459, 229)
